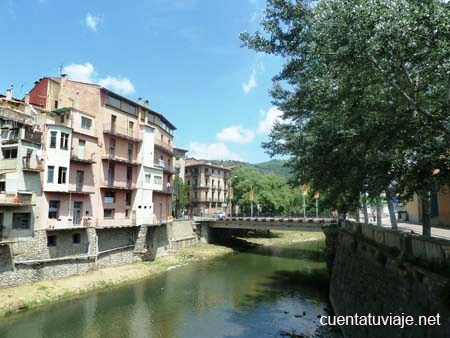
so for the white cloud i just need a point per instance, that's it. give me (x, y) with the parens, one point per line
(268, 119)
(92, 21)
(250, 84)
(212, 151)
(83, 72)
(236, 134)
(120, 85)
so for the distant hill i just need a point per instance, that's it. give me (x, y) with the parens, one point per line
(272, 166)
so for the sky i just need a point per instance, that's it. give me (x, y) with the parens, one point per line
(184, 56)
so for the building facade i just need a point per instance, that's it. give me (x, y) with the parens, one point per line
(100, 164)
(208, 185)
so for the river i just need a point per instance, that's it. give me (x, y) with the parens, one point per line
(262, 292)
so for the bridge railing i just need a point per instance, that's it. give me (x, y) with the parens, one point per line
(277, 219)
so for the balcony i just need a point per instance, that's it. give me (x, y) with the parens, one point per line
(86, 159)
(117, 222)
(8, 164)
(118, 185)
(164, 146)
(28, 167)
(159, 163)
(122, 132)
(166, 190)
(116, 159)
(19, 200)
(67, 223)
(12, 136)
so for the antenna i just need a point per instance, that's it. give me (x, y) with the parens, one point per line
(61, 69)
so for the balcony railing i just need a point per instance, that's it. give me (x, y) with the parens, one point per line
(11, 136)
(118, 185)
(59, 223)
(86, 158)
(159, 163)
(16, 200)
(117, 222)
(123, 132)
(112, 157)
(165, 146)
(8, 164)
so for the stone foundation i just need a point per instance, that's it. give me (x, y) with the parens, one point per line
(79, 250)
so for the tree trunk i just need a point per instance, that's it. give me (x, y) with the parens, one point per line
(366, 215)
(391, 209)
(379, 210)
(357, 216)
(426, 214)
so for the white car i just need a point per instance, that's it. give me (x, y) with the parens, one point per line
(218, 215)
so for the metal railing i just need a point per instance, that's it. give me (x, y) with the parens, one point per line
(122, 131)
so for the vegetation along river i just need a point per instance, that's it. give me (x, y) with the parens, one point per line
(265, 291)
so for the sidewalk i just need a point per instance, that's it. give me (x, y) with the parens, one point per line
(416, 228)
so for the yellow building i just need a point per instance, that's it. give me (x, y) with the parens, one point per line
(440, 208)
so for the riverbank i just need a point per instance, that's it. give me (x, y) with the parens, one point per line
(32, 295)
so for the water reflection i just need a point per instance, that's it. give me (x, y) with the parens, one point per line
(259, 293)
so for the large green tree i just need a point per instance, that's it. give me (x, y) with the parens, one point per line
(365, 93)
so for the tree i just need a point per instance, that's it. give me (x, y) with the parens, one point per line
(365, 94)
(181, 195)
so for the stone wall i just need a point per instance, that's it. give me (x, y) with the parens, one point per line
(380, 271)
(34, 260)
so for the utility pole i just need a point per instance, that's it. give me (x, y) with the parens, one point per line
(304, 193)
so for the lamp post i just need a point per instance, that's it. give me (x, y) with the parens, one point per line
(304, 193)
(252, 197)
(230, 195)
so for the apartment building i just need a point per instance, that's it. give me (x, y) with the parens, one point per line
(102, 166)
(179, 159)
(208, 186)
(20, 167)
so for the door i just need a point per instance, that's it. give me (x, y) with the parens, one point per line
(80, 179)
(129, 177)
(111, 175)
(77, 212)
(113, 123)
(81, 146)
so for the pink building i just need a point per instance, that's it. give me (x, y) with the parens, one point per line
(107, 159)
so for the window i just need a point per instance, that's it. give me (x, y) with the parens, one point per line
(108, 213)
(50, 173)
(148, 178)
(9, 153)
(109, 197)
(86, 123)
(128, 199)
(150, 118)
(76, 238)
(61, 118)
(62, 172)
(130, 151)
(64, 141)
(53, 209)
(55, 104)
(21, 220)
(157, 179)
(53, 139)
(113, 102)
(127, 213)
(51, 240)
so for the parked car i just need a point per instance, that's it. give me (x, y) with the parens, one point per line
(219, 214)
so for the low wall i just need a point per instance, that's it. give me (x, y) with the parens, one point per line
(182, 234)
(381, 271)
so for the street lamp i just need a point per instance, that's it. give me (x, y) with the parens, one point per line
(230, 195)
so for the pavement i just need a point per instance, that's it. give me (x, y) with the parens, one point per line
(417, 228)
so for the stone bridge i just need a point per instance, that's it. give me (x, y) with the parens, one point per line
(211, 229)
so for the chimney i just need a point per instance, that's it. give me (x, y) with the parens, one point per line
(27, 99)
(64, 78)
(139, 101)
(9, 93)
(146, 104)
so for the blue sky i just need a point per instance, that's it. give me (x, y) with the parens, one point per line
(183, 56)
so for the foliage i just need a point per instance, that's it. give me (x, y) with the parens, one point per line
(278, 167)
(272, 192)
(365, 94)
(181, 195)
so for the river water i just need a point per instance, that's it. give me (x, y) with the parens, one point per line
(263, 292)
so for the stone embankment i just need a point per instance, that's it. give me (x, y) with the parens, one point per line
(380, 271)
